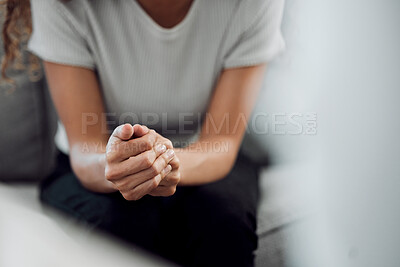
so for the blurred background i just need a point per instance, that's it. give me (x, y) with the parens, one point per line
(327, 121)
(357, 188)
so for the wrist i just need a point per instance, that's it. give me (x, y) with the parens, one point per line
(89, 169)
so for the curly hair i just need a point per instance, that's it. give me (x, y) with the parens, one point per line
(17, 29)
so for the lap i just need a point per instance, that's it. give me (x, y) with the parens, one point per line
(219, 218)
(235, 195)
(156, 223)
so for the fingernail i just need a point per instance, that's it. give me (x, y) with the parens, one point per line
(168, 168)
(170, 153)
(161, 148)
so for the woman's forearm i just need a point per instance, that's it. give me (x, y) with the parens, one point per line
(88, 164)
(224, 125)
(207, 160)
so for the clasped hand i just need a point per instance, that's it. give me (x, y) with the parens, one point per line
(140, 161)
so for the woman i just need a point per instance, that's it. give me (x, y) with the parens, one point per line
(188, 69)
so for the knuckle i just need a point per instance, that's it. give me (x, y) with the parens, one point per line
(127, 195)
(111, 155)
(154, 170)
(153, 184)
(171, 190)
(131, 196)
(147, 144)
(147, 160)
(165, 174)
(165, 158)
(173, 180)
(111, 174)
(149, 139)
(122, 186)
(169, 144)
(176, 179)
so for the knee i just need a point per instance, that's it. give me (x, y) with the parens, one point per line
(224, 207)
(223, 233)
(224, 218)
(230, 228)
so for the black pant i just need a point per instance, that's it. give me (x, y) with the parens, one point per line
(208, 225)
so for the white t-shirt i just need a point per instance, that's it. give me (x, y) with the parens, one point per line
(160, 77)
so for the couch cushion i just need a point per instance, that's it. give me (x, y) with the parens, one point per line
(283, 201)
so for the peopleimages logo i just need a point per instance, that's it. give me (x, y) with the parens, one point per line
(283, 123)
(185, 123)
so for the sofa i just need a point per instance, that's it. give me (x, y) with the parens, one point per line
(28, 226)
(24, 221)
(281, 204)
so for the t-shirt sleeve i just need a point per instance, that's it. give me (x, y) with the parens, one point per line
(56, 37)
(260, 40)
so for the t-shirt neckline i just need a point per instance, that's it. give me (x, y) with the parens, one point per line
(153, 24)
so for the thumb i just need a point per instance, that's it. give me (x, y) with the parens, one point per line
(140, 130)
(123, 132)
